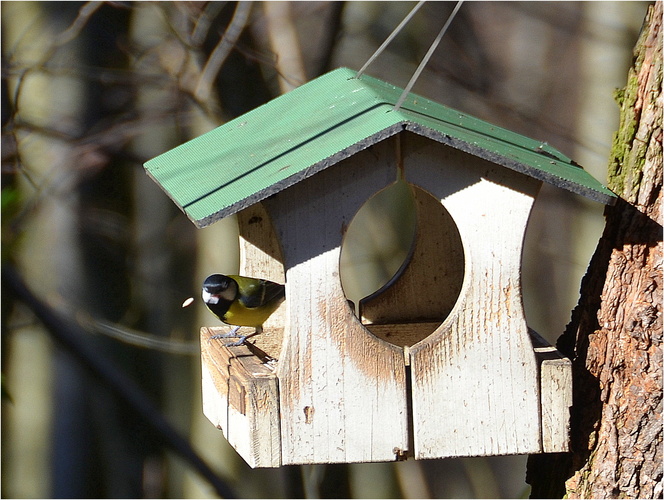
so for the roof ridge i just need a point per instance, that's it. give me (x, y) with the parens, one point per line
(324, 121)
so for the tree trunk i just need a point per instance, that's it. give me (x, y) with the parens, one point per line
(615, 335)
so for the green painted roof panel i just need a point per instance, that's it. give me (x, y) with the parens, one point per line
(324, 121)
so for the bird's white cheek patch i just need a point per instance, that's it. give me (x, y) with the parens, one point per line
(208, 298)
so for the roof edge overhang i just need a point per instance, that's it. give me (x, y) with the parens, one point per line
(301, 175)
(601, 197)
(406, 125)
(325, 121)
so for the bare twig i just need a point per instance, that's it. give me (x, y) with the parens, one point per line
(204, 21)
(221, 51)
(330, 37)
(84, 15)
(70, 336)
(139, 338)
(285, 45)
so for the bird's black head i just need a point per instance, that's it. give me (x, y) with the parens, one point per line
(218, 287)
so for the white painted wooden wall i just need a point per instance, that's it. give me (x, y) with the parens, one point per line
(342, 390)
(475, 381)
(339, 393)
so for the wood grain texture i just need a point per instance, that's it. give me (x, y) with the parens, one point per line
(343, 391)
(475, 380)
(615, 335)
(616, 329)
(339, 393)
(427, 287)
(555, 394)
(403, 334)
(261, 257)
(241, 397)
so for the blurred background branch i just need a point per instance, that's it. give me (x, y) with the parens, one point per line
(71, 338)
(221, 50)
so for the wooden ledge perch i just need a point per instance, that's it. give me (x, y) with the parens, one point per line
(241, 397)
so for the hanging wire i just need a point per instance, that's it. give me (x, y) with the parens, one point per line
(390, 38)
(426, 58)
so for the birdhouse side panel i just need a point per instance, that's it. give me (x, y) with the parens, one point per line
(556, 395)
(475, 380)
(260, 252)
(260, 256)
(345, 401)
(342, 390)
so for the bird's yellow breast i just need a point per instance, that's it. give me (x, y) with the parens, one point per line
(240, 315)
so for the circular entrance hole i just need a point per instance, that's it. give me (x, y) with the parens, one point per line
(402, 264)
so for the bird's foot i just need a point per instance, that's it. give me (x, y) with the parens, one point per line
(233, 333)
(230, 334)
(239, 341)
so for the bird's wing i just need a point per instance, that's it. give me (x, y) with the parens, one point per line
(260, 292)
(274, 291)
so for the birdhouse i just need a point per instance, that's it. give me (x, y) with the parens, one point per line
(440, 361)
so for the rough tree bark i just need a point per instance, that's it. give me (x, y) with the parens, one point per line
(615, 335)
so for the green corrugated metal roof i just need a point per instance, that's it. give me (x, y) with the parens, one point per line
(324, 121)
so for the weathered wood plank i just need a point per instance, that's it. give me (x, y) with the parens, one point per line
(479, 387)
(475, 381)
(403, 334)
(260, 257)
(241, 397)
(428, 286)
(343, 391)
(555, 394)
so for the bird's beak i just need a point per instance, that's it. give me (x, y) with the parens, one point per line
(209, 298)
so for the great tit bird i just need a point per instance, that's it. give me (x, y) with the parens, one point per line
(241, 301)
